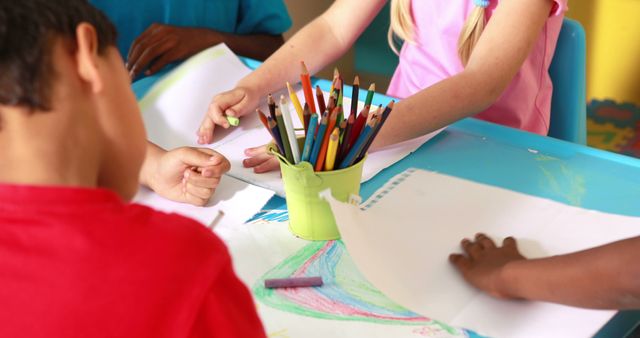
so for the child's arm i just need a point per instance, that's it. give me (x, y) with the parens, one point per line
(162, 44)
(187, 175)
(503, 47)
(606, 277)
(317, 44)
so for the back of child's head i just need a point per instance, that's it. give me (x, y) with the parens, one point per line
(27, 31)
(403, 28)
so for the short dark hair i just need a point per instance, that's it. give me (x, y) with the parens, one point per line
(27, 31)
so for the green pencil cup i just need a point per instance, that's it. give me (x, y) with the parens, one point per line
(310, 217)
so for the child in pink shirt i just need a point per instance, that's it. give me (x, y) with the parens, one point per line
(484, 58)
(429, 59)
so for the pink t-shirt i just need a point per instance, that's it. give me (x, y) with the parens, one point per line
(525, 104)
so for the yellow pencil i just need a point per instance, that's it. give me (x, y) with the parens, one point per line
(296, 104)
(332, 150)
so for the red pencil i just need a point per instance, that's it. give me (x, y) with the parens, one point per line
(305, 78)
(359, 124)
(320, 95)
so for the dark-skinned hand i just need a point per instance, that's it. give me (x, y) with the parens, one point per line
(161, 45)
(483, 261)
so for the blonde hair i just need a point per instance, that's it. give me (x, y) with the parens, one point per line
(403, 28)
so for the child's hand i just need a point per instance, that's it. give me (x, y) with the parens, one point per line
(236, 102)
(161, 45)
(188, 175)
(260, 160)
(484, 262)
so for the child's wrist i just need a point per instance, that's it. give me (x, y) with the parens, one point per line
(508, 280)
(150, 167)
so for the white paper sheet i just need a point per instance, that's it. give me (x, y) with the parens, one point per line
(258, 247)
(402, 241)
(175, 106)
(238, 200)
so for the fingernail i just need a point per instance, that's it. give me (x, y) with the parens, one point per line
(207, 173)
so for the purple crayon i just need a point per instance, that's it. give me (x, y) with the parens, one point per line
(293, 282)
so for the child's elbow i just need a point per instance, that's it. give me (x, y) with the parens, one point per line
(484, 90)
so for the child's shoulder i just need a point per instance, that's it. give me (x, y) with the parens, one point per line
(173, 232)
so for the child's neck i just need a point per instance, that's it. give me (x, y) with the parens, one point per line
(47, 148)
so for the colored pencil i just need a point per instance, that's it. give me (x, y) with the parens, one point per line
(332, 149)
(336, 75)
(284, 136)
(293, 282)
(272, 106)
(275, 132)
(291, 133)
(305, 79)
(383, 118)
(338, 90)
(357, 147)
(265, 122)
(359, 124)
(325, 140)
(354, 95)
(307, 115)
(296, 103)
(346, 138)
(263, 118)
(369, 99)
(333, 101)
(308, 142)
(321, 104)
(317, 143)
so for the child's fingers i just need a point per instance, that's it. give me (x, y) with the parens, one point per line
(269, 165)
(471, 248)
(460, 261)
(255, 151)
(202, 181)
(255, 161)
(205, 132)
(195, 200)
(510, 242)
(484, 241)
(199, 191)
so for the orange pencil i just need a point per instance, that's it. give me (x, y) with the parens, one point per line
(263, 118)
(325, 143)
(305, 78)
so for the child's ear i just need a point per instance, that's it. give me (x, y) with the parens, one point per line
(87, 57)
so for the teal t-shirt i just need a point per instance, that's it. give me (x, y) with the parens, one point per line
(229, 16)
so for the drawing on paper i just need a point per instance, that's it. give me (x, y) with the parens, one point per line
(346, 294)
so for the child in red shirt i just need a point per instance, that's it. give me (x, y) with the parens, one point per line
(76, 260)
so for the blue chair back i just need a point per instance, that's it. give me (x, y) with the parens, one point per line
(568, 75)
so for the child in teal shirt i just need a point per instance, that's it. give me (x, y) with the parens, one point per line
(153, 34)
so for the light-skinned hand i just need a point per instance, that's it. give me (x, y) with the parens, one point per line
(237, 102)
(188, 175)
(260, 160)
(483, 262)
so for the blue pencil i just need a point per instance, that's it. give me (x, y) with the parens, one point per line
(317, 144)
(357, 147)
(308, 142)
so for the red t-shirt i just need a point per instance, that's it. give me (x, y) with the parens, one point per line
(81, 263)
